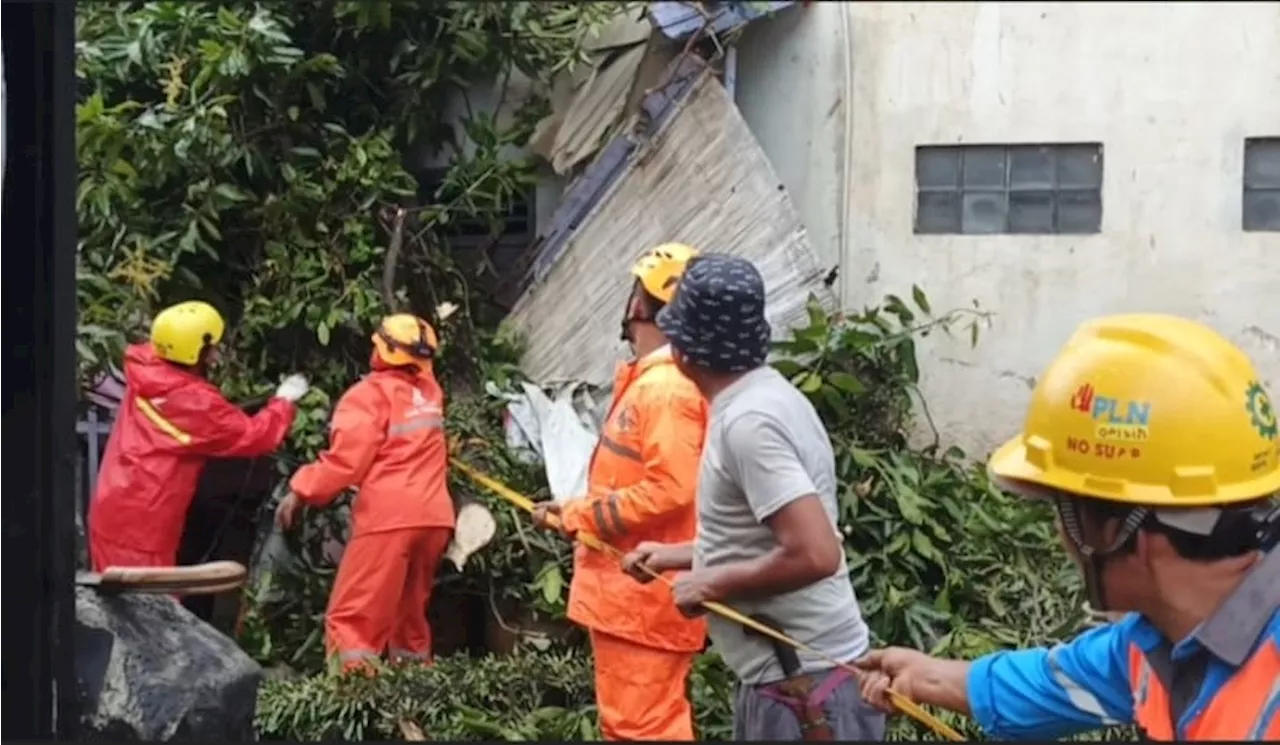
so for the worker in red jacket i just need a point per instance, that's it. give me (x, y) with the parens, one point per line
(171, 420)
(386, 440)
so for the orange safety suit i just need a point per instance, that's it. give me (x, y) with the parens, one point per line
(641, 486)
(387, 440)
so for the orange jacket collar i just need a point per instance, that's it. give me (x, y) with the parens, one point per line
(629, 371)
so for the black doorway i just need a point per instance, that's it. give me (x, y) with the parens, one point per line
(39, 236)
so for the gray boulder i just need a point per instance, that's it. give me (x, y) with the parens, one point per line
(147, 669)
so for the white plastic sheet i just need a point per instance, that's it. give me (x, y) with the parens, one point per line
(560, 427)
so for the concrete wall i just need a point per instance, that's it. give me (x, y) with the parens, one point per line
(790, 88)
(840, 94)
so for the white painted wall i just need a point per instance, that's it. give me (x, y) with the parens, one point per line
(790, 89)
(1170, 89)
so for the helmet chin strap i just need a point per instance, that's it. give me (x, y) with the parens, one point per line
(1269, 528)
(418, 350)
(626, 323)
(1095, 560)
(628, 317)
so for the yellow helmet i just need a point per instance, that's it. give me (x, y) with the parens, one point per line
(1150, 410)
(180, 332)
(405, 339)
(660, 268)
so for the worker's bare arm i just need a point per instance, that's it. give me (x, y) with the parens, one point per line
(768, 468)
(657, 557)
(807, 551)
(666, 557)
(1042, 693)
(946, 685)
(919, 677)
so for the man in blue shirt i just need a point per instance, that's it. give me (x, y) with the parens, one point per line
(1156, 442)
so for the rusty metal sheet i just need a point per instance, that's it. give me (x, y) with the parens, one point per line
(595, 110)
(624, 30)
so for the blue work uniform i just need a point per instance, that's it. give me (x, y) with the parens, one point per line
(1222, 682)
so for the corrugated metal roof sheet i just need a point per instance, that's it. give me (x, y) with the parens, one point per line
(704, 181)
(595, 110)
(605, 97)
(624, 30)
(599, 177)
(628, 58)
(678, 20)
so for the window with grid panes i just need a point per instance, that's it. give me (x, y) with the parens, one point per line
(1044, 189)
(1261, 207)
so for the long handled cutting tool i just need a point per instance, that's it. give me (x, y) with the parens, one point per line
(904, 704)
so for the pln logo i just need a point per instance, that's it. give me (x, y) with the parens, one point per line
(1262, 415)
(1123, 420)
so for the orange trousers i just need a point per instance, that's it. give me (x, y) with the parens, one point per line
(380, 596)
(641, 691)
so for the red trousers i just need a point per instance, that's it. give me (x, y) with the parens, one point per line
(641, 691)
(105, 553)
(379, 599)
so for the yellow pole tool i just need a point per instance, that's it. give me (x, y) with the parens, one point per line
(904, 704)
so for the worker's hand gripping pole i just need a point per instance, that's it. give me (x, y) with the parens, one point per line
(904, 704)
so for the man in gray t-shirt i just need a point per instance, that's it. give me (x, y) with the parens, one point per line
(768, 541)
(766, 448)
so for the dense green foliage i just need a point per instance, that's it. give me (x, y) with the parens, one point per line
(528, 695)
(940, 558)
(256, 155)
(525, 696)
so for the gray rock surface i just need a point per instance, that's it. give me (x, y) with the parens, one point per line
(147, 669)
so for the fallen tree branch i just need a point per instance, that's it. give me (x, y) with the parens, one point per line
(392, 259)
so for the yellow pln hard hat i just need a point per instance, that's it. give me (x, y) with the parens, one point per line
(405, 339)
(180, 332)
(660, 268)
(1149, 410)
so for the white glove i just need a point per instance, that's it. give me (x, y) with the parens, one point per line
(293, 388)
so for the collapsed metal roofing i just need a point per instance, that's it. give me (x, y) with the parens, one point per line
(675, 161)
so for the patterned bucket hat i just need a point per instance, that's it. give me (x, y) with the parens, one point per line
(716, 318)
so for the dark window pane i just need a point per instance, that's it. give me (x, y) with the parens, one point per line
(1262, 163)
(1079, 166)
(937, 212)
(937, 167)
(984, 213)
(984, 167)
(1031, 167)
(1262, 209)
(1031, 212)
(1079, 211)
